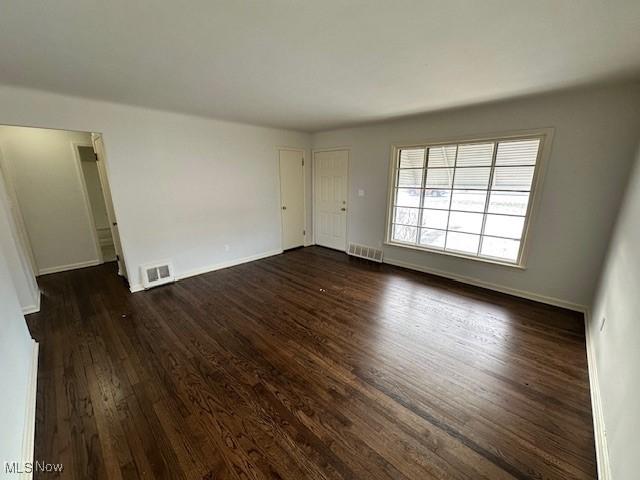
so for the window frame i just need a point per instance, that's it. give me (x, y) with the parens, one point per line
(544, 134)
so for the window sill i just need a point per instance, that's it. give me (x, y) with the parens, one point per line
(517, 266)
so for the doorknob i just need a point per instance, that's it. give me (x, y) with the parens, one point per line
(115, 224)
(284, 208)
(343, 209)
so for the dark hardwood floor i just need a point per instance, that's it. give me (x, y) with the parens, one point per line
(308, 365)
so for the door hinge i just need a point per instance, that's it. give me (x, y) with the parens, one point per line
(303, 162)
(304, 232)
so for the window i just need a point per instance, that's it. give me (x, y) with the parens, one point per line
(470, 198)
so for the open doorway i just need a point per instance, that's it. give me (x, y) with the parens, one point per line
(57, 183)
(95, 197)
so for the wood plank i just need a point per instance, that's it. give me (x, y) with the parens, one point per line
(309, 364)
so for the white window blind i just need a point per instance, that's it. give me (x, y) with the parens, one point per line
(470, 199)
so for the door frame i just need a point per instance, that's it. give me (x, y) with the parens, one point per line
(103, 174)
(23, 239)
(85, 196)
(313, 190)
(304, 192)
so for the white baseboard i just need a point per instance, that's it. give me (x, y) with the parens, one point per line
(599, 430)
(30, 413)
(212, 268)
(71, 266)
(490, 286)
(227, 264)
(33, 308)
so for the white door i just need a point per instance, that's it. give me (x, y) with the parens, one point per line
(98, 147)
(331, 179)
(292, 198)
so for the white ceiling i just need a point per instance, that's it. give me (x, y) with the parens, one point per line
(312, 65)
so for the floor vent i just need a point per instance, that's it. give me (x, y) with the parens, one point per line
(154, 275)
(362, 251)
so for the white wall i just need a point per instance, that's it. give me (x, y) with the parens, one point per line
(45, 175)
(595, 134)
(617, 347)
(183, 187)
(16, 349)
